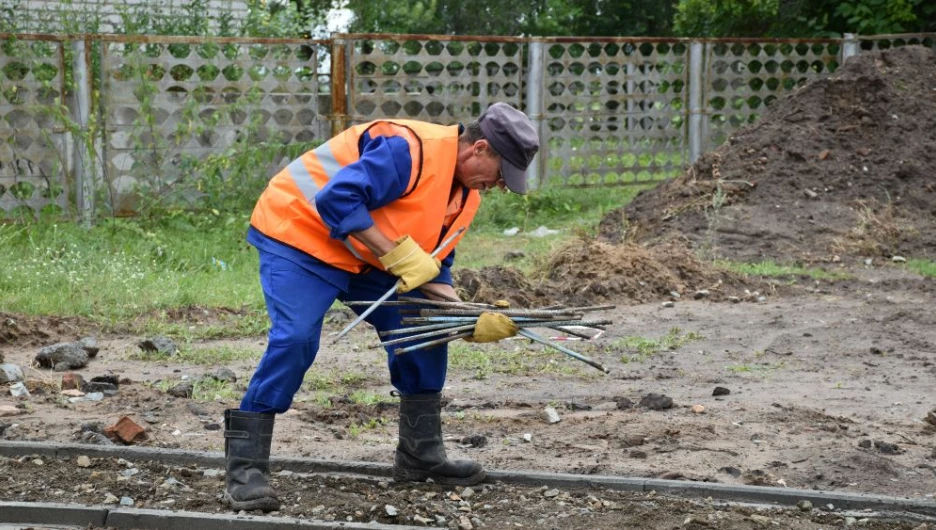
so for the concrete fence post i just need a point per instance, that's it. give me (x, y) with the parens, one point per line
(850, 46)
(83, 159)
(339, 83)
(537, 174)
(632, 121)
(696, 107)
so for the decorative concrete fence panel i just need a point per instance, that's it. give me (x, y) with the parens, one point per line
(110, 124)
(169, 103)
(34, 144)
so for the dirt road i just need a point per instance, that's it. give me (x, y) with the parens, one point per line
(829, 387)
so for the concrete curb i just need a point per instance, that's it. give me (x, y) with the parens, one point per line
(679, 488)
(722, 492)
(182, 457)
(37, 513)
(33, 513)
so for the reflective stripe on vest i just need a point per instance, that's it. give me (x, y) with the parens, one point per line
(309, 189)
(304, 181)
(327, 158)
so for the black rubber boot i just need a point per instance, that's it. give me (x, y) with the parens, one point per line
(247, 439)
(420, 455)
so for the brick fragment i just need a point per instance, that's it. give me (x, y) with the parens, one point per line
(72, 381)
(125, 430)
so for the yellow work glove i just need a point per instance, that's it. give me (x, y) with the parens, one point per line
(411, 264)
(492, 327)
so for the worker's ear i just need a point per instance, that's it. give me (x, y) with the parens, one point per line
(480, 147)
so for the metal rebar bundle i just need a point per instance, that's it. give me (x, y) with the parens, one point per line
(437, 322)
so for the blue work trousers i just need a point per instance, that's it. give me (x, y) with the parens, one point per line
(296, 301)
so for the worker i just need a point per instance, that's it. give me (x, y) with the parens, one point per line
(348, 220)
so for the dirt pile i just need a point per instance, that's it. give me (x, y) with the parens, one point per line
(839, 169)
(499, 283)
(27, 330)
(596, 271)
(589, 272)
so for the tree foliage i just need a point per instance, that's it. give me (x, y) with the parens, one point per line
(801, 18)
(659, 18)
(715, 18)
(497, 17)
(624, 18)
(687, 18)
(455, 17)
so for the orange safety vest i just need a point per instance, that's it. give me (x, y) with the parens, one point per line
(286, 210)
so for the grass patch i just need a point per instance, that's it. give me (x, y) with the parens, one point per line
(125, 271)
(218, 355)
(133, 275)
(571, 211)
(486, 248)
(211, 356)
(326, 399)
(647, 347)
(362, 397)
(773, 270)
(552, 207)
(207, 389)
(356, 429)
(332, 380)
(924, 267)
(483, 361)
(247, 323)
(760, 369)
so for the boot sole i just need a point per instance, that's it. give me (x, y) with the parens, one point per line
(266, 504)
(413, 475)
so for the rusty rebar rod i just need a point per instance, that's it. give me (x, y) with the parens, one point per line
(420, 329)
(574, 333)
(550, 323)
(410, 301)
(444, 303)
(588, 308)
(507, 312)
(386, 303)
(536, 338)
(431, 343)
(520, 321)
(426, 335)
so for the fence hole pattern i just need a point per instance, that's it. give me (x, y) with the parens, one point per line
(613, 111)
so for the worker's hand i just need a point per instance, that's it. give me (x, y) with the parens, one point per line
(411, 264)
(439, 291)
(492, 327)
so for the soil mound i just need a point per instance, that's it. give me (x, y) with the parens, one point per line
(25, 330)
(490, 284)
(590, 272)
(593, 271)
(841, 168)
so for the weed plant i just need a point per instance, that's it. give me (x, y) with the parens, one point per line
(203, 389)
(773, 269)
(485, 361)
(647, 347)
(923, 267)
(552, 207)
(211, 356)
(573, 212)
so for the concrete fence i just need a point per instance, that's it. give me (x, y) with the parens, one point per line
(97, 123)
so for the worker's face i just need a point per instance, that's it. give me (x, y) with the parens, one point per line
(478, 167)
